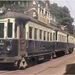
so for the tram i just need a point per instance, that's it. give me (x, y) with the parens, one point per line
(24, 40)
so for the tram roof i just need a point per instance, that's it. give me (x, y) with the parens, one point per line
(12, 14)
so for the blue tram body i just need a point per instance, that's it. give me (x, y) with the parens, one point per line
(8, 50)
(24, 40)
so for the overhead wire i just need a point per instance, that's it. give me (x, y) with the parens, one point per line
(70, 7)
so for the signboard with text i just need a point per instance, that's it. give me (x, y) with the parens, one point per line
(43, 19)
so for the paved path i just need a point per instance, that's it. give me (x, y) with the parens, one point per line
(55, 66)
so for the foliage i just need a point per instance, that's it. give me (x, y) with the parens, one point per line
(13, 5)
(63, 16)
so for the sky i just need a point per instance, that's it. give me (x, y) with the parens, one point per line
(70, 4)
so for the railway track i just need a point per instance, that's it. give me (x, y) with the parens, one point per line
(54, 66)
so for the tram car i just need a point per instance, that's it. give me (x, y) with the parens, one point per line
(64, 43)
(24, 40)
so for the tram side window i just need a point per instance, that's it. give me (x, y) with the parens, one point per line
(54, 36)
(40, 34)
(50, 36)
(59, 37)
(44, 35)
(9, 31)
(1, 30)
(35, 33)
(63, 40)
(15, 30)
(30, 32)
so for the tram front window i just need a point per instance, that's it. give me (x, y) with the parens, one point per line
(1, 30)
(12, 30)
(9, 30)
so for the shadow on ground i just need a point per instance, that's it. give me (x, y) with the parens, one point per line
(70, 69)
(8, 67)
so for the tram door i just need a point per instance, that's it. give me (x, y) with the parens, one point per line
(22, 39)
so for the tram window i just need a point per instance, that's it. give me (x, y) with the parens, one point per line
(65, 38)
(15, 30)
(35, 33)
(50, 36)
(40, 34)
(54, 36)
(46, 13)
(9, 31)
(1, 30)
(40, 9)
(59, 37)
(44, 35)
(62, 38)
(30, 32)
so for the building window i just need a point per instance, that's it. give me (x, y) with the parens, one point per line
(34, 14)
(35, 33)
(26, 4)
(34, 2)
(30, 32)
(9, 30)
(40, 34)
(19, 3)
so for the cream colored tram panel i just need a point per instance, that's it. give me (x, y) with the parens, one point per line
(70, 39)
(61, 37)
(39, 27)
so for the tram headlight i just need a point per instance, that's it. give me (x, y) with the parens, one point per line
(9, 48)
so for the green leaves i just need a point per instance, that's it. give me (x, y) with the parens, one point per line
(63, 16)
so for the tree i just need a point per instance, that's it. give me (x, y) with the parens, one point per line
(63, 16)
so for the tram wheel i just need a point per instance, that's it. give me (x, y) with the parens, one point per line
(53, 55)
(22, 64)
(70, 51)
